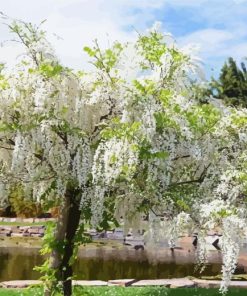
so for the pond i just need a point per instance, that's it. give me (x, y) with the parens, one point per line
(105, 263)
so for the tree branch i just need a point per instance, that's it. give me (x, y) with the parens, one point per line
(104, 117)
(198, 180)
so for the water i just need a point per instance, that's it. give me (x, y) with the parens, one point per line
(105, 263)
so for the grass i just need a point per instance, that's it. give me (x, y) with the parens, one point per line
(131, 291)
(2, 223)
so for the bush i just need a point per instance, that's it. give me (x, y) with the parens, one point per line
(22, 206)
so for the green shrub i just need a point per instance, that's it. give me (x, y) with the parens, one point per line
(22, 206)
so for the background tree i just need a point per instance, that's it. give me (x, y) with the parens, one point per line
(232, 84)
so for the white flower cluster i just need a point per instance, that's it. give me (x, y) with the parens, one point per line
(234, 230)
(132, 130)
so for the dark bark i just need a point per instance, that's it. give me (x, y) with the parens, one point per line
(59, 235)
(67, 225)
(72, 226)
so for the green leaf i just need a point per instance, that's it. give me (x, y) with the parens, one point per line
(89, 51)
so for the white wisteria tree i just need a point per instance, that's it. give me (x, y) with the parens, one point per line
(130, 130)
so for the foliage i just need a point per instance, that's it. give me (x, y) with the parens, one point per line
(129, 136)
(21, 206)
(232, 84)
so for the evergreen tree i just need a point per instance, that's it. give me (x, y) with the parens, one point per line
(232, 84)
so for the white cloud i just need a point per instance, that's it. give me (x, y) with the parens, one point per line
(185, 2)
(216, 46)
(240, 1)
(78, 22)
(196, 3)
(79, 33)
(10, 53)
(211, 41)
(239, 51)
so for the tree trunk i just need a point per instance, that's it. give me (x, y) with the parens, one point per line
(66, 227)
(72, 225)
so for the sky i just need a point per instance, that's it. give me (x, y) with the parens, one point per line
(218, 27)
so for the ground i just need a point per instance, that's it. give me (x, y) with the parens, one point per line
(118, 291)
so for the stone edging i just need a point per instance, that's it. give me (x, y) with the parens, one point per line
(169, 283)
(22, 231)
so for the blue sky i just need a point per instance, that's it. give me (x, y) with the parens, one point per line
(219, 27)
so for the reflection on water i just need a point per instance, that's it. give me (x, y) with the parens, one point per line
(17, 264)
(104, 264)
